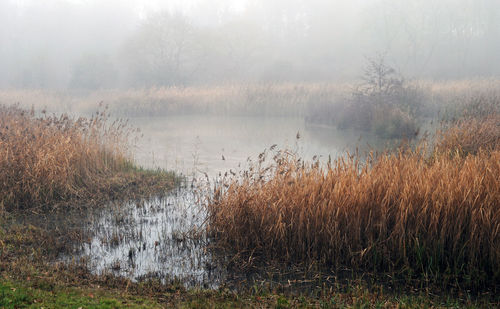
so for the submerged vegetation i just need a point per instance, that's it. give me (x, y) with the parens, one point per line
(430, 215)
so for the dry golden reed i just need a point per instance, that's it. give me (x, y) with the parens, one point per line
(478, 128)
(270, 99)
(48, 159)
(406, 212)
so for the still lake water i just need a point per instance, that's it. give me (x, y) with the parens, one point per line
(211, 144)
(154, 238)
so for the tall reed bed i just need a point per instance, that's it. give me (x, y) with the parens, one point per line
(311, 100)
(47, 159)
(269, 99)
(474, 126)
(431, 216)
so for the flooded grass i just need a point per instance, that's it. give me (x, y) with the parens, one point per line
(158, 238)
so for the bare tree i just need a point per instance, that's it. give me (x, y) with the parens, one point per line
(162, 50)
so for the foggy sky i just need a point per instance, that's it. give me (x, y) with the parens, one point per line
(131, 43)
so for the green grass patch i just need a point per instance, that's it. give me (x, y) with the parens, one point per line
(35, 294)
(18, 295)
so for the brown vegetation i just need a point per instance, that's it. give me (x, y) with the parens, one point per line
(310, 100)
(477, 129)
(255, 99)
(435, 216)
(50, 159)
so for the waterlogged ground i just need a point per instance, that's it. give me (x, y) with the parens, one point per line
(160, 238)
(163, 237)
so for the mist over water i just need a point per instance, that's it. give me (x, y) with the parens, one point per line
(196, 144)
(211, 84)
(164, 237)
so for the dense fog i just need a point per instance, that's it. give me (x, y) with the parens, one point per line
(92, 44)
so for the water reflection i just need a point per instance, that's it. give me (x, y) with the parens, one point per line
(163, 237)
(211, 144)
(159, 238)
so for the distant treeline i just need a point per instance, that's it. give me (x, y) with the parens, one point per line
(95, 45)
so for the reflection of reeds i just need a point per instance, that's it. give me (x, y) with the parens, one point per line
(48, 159)
(437, 216)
